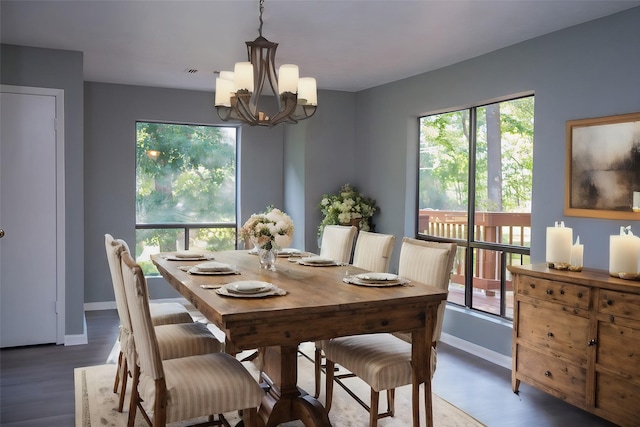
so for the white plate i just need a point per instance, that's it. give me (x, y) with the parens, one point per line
(249, 287)
(317, 260)
(194, 270)
(194, 257)
(213, 266)
(286, 252)
(355, 280)
(377, 277)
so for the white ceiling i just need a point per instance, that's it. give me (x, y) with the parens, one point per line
(347, 45)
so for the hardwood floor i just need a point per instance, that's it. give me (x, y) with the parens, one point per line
(36, 385)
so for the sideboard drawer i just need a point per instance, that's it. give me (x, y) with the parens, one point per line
(554, 329)
(553, 291)
(623, 304)
(565, 378)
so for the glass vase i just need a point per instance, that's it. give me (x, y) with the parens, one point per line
(268, 258)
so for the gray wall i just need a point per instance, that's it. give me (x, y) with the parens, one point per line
(590, 70)
(60, 69)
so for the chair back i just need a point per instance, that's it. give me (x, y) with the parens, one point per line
(373, 251)
(430, 263)
(114, 250)
(145, 341)
(337, 242)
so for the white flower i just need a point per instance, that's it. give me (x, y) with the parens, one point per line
(269, 230)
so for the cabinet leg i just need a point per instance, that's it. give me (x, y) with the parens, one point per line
(515, 384)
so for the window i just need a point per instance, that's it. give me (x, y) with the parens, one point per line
(185, 189)
(474, 188)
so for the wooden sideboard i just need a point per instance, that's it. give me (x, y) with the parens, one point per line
(576, 336)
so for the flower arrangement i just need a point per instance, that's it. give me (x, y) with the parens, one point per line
(345, 207)
(272, 229)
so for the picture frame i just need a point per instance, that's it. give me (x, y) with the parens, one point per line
(603, 167)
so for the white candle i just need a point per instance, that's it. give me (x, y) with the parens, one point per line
(577, 252)
(224, 88)
(624, 252)
(243, 76)
(559, 242)
(288, 78)
(307, 91)
(636, 200)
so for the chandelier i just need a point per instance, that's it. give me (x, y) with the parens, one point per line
(238, 92)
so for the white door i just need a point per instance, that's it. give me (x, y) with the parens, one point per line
(29, 194)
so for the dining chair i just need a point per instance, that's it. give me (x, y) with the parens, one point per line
(187, 387)
(337, 242)
(383, 360)
(178, 336)
(372, 253)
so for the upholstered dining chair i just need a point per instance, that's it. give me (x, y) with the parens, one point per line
(178, 335)
(372, 253)
(383, 360)
(187, 387)
(337, 242)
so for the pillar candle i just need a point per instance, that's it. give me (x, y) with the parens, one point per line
(636, 201)
(577, 252)
(559, 242)
(624, 252)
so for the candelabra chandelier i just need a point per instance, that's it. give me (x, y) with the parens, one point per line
(238, 92)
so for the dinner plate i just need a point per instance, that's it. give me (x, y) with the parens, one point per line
(185, 257)
(317, 260)
(355, 280)
(287, 252)
(374, 277)
(249, 287)
(213, 266)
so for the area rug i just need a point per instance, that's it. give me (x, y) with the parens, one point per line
(96, 402)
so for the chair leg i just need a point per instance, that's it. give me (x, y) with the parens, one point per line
(118, 370)
(329, 385)
(391, 401)
(250, 417)
(415, 403)
(373, 411)
(318, 363)
(135, 397)
(123, 389)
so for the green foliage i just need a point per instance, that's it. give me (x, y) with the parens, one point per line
(444, 158)
(191, 177)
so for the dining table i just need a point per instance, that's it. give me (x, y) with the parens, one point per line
(313, 303)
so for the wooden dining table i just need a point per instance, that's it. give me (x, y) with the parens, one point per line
(318, 305)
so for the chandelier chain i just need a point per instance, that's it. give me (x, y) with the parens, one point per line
(261, 21)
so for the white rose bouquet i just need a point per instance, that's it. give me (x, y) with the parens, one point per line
(272, 229)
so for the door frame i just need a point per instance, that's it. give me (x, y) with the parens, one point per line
(60, 197)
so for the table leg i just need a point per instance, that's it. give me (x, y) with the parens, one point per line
(421, 342)
(284, 401)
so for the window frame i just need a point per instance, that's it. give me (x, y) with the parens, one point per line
(470, 245)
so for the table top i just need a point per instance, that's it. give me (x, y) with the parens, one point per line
(318, 304)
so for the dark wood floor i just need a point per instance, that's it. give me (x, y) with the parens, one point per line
(36, 385)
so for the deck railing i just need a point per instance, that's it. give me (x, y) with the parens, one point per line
(490, 227)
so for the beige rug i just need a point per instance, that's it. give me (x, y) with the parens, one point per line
(96, 402)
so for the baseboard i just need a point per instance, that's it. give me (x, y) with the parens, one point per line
(111, 305)
(78, 339)
(476, 350)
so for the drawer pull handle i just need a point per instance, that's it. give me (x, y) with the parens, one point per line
(561, 291)
(579, 294)
(550, 334)
(549, 292)
(592, 342)
(532, 285)
(609, 302)
(547, 373)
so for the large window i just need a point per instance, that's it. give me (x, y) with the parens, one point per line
(474, 188)
(185, 189)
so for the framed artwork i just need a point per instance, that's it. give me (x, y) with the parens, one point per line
(603, 167)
